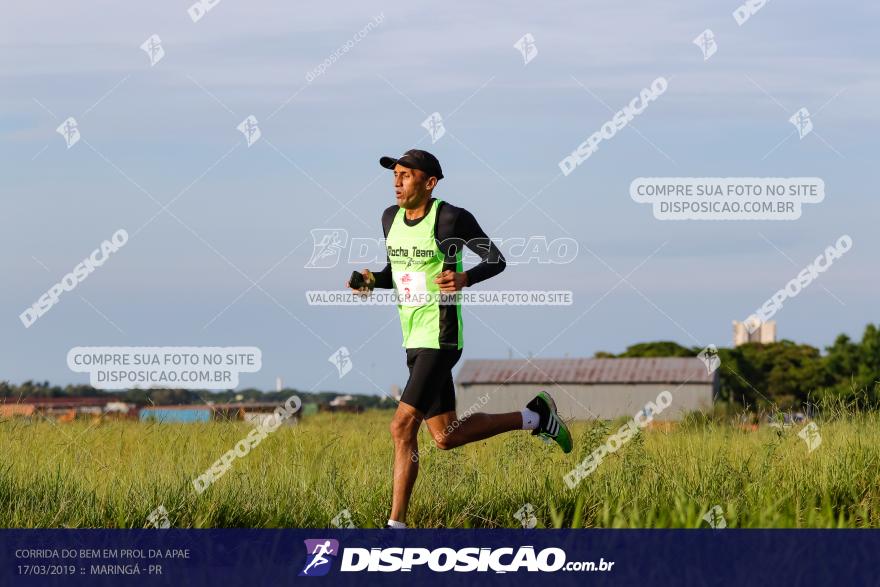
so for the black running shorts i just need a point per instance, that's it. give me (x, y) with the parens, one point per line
(430, 389)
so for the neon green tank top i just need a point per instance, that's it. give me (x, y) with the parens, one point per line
(415, 261)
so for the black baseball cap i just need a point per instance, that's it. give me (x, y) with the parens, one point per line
(415, 159)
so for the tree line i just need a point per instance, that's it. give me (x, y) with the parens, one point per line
(783, 375)
(10, 393)
(786, 374)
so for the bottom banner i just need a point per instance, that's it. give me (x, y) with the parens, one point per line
(399, 557)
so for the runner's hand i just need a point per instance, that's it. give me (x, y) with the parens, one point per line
(369, 283)
(450, 281)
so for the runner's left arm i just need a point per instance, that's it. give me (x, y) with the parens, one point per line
(466, 230)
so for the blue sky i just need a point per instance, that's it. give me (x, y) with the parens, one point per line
(169, 131)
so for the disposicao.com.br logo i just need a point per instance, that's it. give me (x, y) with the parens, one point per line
(442, 560)
(317, 553)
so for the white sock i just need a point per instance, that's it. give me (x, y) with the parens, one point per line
(396, 524)
(530, 419)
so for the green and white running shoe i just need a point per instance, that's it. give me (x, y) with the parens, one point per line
(550, 425)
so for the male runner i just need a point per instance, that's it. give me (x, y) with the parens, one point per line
(424, 240)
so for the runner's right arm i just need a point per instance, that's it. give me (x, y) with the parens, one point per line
(383, 278)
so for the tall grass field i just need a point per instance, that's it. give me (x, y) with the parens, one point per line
(114, 474)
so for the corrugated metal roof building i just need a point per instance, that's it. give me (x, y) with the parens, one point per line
(587, 388)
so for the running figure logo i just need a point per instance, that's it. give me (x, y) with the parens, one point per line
(342, 359)
(153, 48)
(317, 551)
(706, 42)
(434, 125)
(802, 122)
(527, 48)
(250, 128)
(810, 435)
(327, 246)
(715, 518)
(69, 129)
(710, 358)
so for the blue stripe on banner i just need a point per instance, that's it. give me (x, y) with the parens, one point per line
(434, 557)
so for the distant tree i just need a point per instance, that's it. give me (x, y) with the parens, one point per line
(843, 363)
(663, 348)
(164, 397)
(733, 379)
(869, 369)
(855, 368)
(843, 358)
(782, 374)
(80, 391)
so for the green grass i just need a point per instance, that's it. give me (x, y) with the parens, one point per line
(113, 475)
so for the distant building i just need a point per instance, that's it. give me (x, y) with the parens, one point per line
(754, 331)
(585, 389)
(65, 409)
(169, 414)
(341, 400)
(68, 409)
(8, 411)
(253, 412)
(118, 407)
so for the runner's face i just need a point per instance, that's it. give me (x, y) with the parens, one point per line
(411, 186)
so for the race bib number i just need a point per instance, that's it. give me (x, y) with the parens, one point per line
(412, 288)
